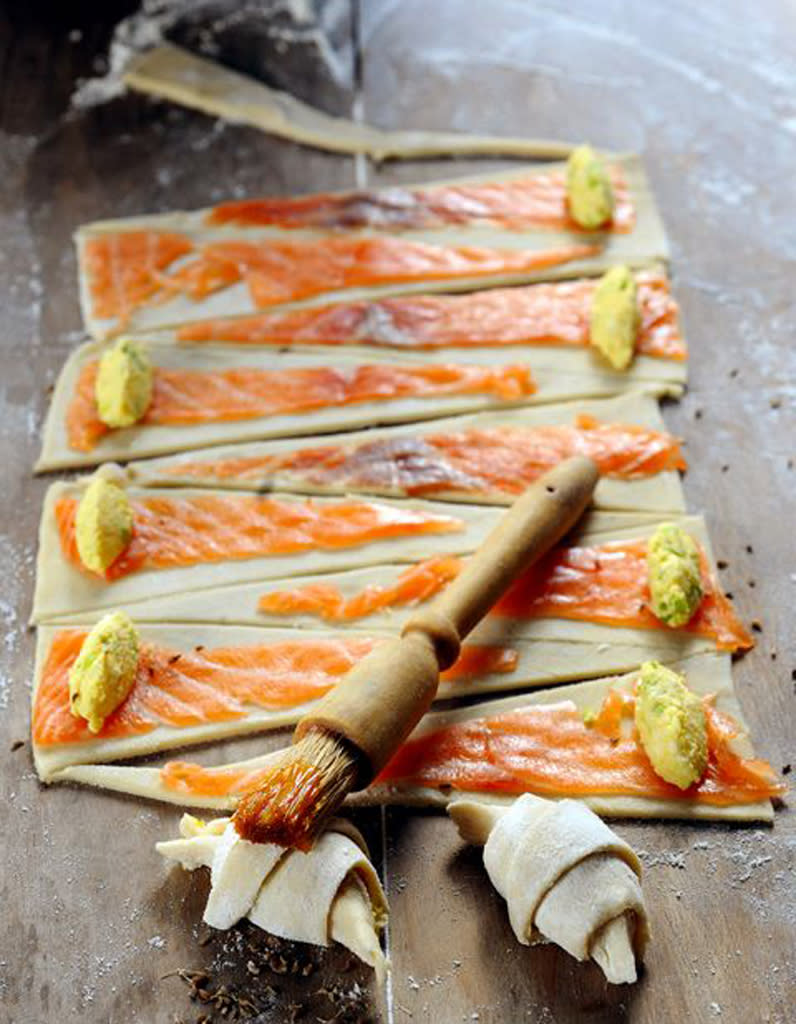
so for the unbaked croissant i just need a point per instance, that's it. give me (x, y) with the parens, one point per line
(331, 893)
(566, 877)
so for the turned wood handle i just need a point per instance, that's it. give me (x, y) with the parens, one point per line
(378, 703)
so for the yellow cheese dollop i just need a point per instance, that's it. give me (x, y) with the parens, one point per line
(103, 524)
(589, 191)
(675, 580)
(123, 388)
(104, 672)
(615, 317)
(672, 726)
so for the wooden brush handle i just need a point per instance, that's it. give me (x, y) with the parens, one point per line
(382, 699)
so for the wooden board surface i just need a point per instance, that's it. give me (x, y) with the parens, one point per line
(92, 920)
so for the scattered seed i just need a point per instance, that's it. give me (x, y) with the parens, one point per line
(698, 414)
(721, 564)
(16, 745)
(775, 403)
(752, 584)
(749, 549)
(757, 626)
(786, 769)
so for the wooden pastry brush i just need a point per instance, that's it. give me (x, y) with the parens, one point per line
(356, 728)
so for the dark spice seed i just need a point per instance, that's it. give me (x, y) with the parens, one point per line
(786, 769)
(721, 564)
(749, 549)
(698, 414)
(757, 626)
(16, 745)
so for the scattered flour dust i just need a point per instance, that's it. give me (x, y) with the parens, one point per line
(149, 26)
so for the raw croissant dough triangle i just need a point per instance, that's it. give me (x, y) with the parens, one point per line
(64, 589)
(236, 466)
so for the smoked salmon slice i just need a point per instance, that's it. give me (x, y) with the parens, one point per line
(533, 201)
(153, 266)
(546, 749)
(550, 750)
(173, 532)
(187, 688)
(538, 314)
(604, 583)
(190, 397)
(479, 462)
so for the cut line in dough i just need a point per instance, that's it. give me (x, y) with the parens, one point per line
(172, 73)
(706, 673)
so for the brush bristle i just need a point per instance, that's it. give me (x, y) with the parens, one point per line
(298, 796)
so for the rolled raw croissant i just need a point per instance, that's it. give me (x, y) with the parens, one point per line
(331, 893)
(566, 877)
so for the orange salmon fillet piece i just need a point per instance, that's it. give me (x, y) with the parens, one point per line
(539, 314)
(189, 397)
(545, 749)
(538, 200)
(185, 688)
(606, 584)
(124, 269)
(173, 532)
(125, 273)
(550, 750)
(480, 462)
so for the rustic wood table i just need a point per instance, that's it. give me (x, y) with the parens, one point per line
(92, 921)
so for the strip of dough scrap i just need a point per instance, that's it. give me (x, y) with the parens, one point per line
(329, 894)
(565, 876)
(186, 540)
(538, 743)
(166, 270)
(172, 73)
(485, 458)
(224, 394)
